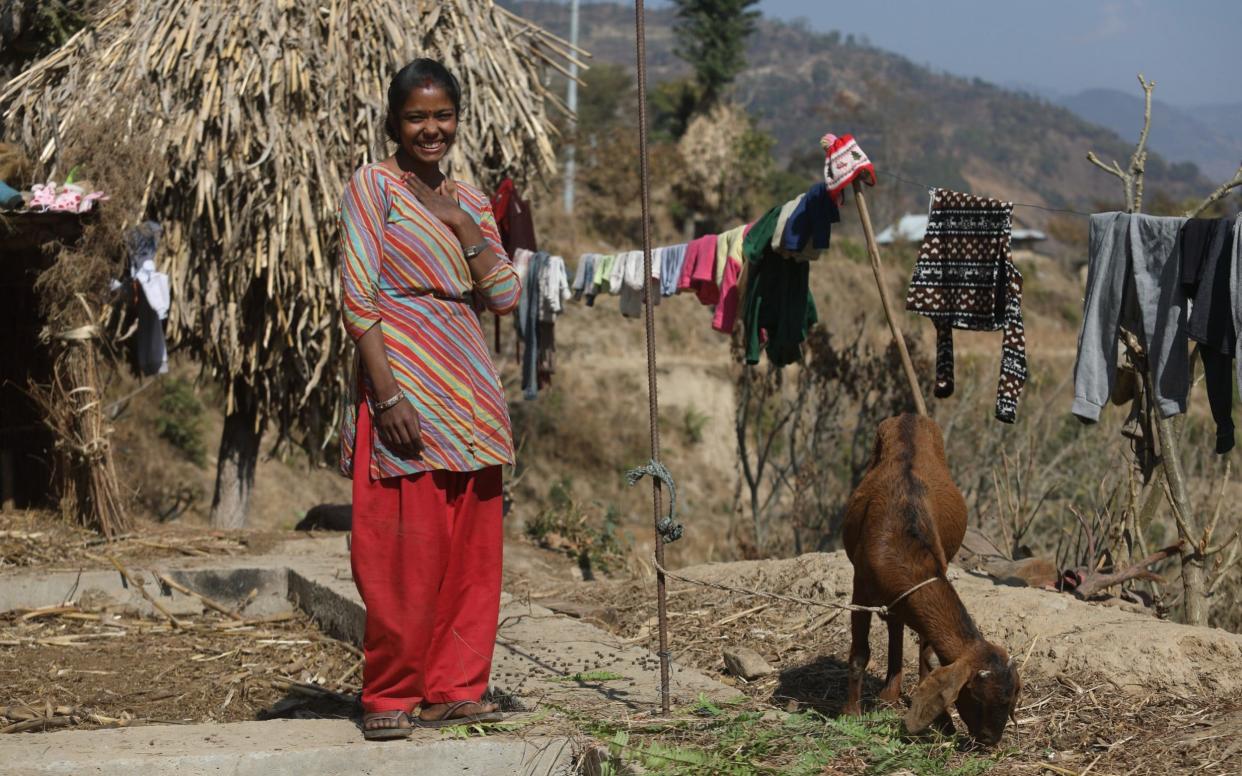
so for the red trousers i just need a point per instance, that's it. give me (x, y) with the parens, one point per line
(426, 556)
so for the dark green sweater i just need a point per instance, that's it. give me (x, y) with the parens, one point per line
(778, 297)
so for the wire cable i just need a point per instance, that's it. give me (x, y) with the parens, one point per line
(928, 186)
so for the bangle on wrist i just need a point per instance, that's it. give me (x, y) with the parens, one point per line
(390, 402)
(474, 250)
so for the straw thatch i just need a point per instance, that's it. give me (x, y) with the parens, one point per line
(248, 106)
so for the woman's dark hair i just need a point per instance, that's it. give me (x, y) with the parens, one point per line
(420, 72)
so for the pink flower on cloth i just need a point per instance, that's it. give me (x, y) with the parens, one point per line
(69, 198)
(44, 196)
(843, 162)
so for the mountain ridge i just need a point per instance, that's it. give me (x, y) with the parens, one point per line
(922, 125)
(1208, 135)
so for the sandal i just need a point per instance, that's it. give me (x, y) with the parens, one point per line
(449, 719)
(403, 728)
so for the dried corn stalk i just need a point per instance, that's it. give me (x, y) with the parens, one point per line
(85, 477)
(249, 104)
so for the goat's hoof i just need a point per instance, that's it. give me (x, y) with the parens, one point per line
(851, 710)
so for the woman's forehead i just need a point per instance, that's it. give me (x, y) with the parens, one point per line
(427, 97)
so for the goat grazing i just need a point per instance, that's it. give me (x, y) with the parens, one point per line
(903, 523)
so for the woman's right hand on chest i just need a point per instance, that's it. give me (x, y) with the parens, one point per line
(399, 430)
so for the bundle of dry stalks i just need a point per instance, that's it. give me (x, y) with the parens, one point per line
(74, 299)
(258, 112)
(72, 407)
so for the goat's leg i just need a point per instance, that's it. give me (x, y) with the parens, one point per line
(892, 682)
(860, 655)
(925, 656)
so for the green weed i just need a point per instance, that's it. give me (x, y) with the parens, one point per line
(852, 250)
(180, 421)
(749, 743)
(577, 529)
(590, 676)
(694, 422)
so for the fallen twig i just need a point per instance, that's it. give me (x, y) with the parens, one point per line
(208, 601)
(143, 592)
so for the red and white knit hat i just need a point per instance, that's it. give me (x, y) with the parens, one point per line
(843, 162)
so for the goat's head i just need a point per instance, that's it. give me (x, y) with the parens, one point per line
(984, 684)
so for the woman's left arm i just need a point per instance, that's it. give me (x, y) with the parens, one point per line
(495, 280)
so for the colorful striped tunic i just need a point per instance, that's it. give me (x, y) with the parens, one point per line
(404, 268)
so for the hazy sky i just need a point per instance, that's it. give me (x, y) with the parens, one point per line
(1192, 48)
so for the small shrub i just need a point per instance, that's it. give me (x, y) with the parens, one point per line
(693, 424)
(577, 529)
(180, 421)
(852, 250)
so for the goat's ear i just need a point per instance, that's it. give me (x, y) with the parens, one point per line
(935, 693)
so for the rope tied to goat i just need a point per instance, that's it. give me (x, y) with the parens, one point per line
(883, 611)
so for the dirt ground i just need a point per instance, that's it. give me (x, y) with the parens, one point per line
(1070, 720)
(84, 667)
(34, 538)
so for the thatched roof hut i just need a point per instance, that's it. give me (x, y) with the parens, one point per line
(256, 112)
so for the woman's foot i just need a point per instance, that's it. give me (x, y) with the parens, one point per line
(386, 725)
(458, 713)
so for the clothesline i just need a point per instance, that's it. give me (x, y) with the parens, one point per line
(926, 186)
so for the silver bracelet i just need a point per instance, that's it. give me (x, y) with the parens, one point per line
(391, 402)
(475, 250)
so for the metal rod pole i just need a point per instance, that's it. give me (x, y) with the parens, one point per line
(571, 101)
(874, 250)
(640, 36)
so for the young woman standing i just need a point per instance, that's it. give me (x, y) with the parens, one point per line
(428, 430)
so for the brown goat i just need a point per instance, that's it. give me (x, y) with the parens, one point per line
(903, 523)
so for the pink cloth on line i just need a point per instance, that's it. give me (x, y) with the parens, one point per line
(726, 309)
(698, 272)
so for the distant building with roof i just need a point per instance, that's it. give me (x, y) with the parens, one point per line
(911, 227)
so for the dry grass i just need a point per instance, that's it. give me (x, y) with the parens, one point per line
(248, 117)
(78, 666)
(33, 539)
(1066, 724)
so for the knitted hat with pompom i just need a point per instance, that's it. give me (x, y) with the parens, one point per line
(843, 162)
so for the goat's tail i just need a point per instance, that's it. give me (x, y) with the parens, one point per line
(922, 526)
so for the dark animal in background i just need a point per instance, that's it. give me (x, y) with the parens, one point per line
(903, 523)
(327, 517)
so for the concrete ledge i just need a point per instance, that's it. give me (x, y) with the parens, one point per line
(228, 585)
(333, 603)
(276, 748)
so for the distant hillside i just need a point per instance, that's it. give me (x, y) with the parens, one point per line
(922, 125)
(1210, 136)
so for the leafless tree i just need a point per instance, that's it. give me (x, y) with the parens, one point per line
(1197, 537)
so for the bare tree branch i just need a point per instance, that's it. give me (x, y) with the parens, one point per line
(1210, 551)
(1219, 194)
(1220, 503)
(1224, 567)
(1132, 177)
(1095, 582)
(1138, 162)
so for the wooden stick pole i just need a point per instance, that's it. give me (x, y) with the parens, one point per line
(874, 251)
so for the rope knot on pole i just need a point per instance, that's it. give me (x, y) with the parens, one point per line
(670, 530)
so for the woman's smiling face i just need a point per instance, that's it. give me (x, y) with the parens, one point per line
(427, 123)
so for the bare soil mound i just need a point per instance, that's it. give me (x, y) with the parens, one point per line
(1061, 634)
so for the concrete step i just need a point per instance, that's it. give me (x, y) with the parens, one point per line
(537, 651)
(276, 748)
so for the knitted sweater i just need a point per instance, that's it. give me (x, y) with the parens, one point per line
(965, 279)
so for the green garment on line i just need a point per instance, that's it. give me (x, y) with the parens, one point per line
(778, 297)
(603, 268)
